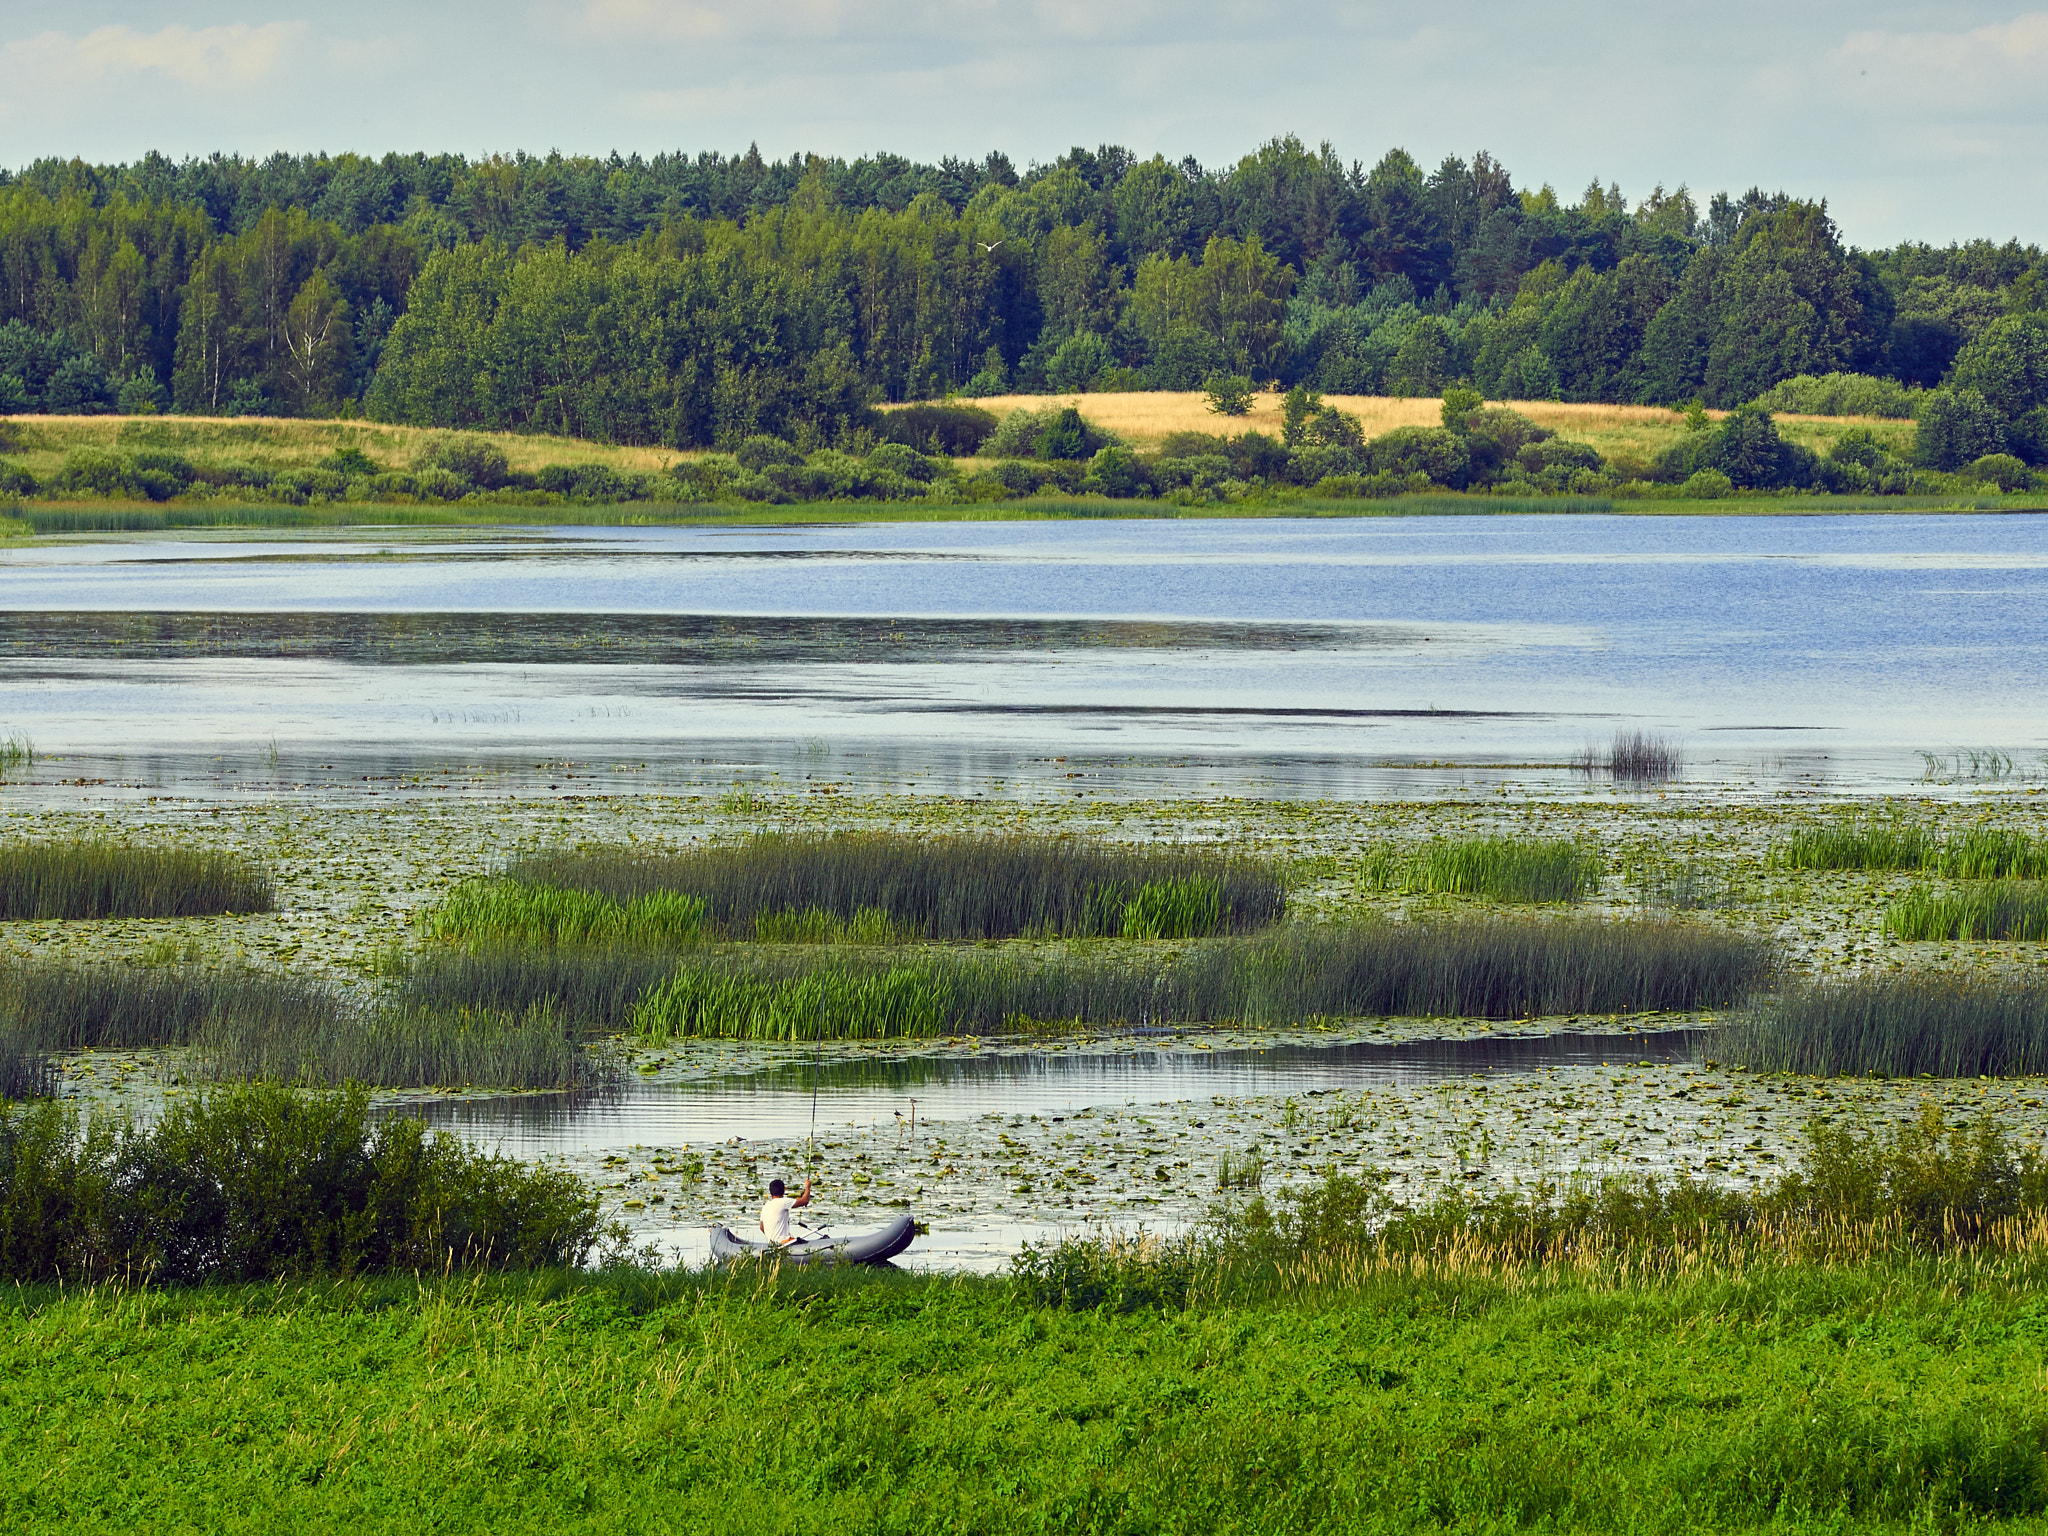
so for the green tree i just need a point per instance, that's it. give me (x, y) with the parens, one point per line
(2007, 364)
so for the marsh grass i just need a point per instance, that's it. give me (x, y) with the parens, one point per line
(1986, 853)
(1500, 868)
(597, 988)
(937, 887)
(400, 1048)
(1989, 909)
(104, 1007)
(99, 877)
(1473, 969)
(256, 1183)
(1855, 845)
(505, 913)
(26, 1071)
(16, 753)
(1635, 757)
(1902, 1026)
(1684, 886)
(814, 925)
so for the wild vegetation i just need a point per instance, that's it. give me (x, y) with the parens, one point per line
(1978, 909)
(935, 888)
(1900, 1026)
(257, 1182)
(94, 878)
(710, 302)
(1499, 868)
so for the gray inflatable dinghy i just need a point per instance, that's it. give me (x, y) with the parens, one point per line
(876, 1247)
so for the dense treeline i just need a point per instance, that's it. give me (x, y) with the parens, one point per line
(698, 301)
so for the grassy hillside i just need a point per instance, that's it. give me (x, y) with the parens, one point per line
(1634, 431)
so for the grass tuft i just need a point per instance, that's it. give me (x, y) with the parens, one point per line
(1856, 845)
(1635, 757)
(91, 878)
(487, 913)
(938, 888)
(1501, 868)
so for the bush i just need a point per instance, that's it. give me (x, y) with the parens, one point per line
(954, 430)
(1555, 453)
(1957, 427)
(2003, 471)
(1494, 438)
(1065, 436)
(95, 472)
(1431, 451)
(1117, 472)
(761, 452)
(1229, 394)
(260, 1183)
(1706, 485)
(1839, 394)
(475, 460)
(1255, 456)
(1077, 362)
(1023, 434)
(15, 480)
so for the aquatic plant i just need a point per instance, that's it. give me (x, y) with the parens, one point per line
(934, 887)
(405, 1048)
(100, 1007)
(1986, 853)
(1636, 757)
(1901, 1026)
(257, 1182)
(596, 988)
(1856, 845)
(814, 925)
(506, 913)
(1519, 869)
(1989, 909)
(100, 877)
(26, 1071)
(1469, 969)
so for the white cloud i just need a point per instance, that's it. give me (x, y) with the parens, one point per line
(1989, 70)
(237, 55)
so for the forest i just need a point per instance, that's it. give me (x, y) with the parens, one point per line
(697, 302)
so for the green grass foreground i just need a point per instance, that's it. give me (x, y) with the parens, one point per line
(1883, 1395)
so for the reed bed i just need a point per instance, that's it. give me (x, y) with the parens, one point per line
(939, 887)
(1988, 909)
(1985, 853)
(597, 989)
(1500, 868)
(74, 1008)
(485, 913)
(98, 877)
(1856, 845)
(1473, 969)
(1898, 1027)
(26, 1071)
(1635, 757)
(407, 1049)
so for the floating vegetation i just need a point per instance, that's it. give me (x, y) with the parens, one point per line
(1635, 757)
(1898, 1026)
(258, 1183)
(1472, 969)
(100, 877)
(1501, 868)
(506, 913)
(1991, 909)
(939, 887)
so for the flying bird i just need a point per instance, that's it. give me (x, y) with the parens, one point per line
(987, 247)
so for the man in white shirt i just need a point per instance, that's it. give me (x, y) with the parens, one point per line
(775, 1213)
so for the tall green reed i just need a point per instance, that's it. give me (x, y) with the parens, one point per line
(1901, 1026)
(1989, 909)
(1500, 868)
(98, 877)
(487, 913)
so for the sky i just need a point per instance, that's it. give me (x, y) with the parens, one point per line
(1915, 122)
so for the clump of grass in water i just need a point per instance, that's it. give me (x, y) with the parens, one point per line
(1991, 909)
(258, 1183)
(16, 753)
(597, 988)
(1500, 868)
(26, 1071)
(505, 913)
(104, 1007)
(1856, 845)
(814, 925)
(92, 878)
(1896, 1027)
(1985, 853)
(1476, 969)
(1635, 756)
(407, 1048)
(939, 888)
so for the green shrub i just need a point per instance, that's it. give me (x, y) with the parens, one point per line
(955, 430)
(2002, 470)
(1840, 394)
(476, 461)
(1229, 394)
(259, 1183)
(1956, 427)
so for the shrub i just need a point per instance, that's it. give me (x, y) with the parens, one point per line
(259, 1183)
(955, 430)
(1495, 438)
(1431, 451)
(1229, 394)
(1255, 456)
(2002, 470)
(1956, 427)
(95, 472)
(1839, 394)
(1191, 445)
(1117, 472)
(903, 462)
(1075, 365)
(1552, 453)
(475, 460)
(761, 452)
(1706, 485)
(1023, 434)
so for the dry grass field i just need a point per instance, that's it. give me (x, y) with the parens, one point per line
(275, 442)
(1632, 431)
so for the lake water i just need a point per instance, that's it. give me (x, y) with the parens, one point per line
(1278, 656)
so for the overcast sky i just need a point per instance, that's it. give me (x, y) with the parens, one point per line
(1913, 121)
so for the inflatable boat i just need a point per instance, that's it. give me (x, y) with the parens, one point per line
(876, 1247)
